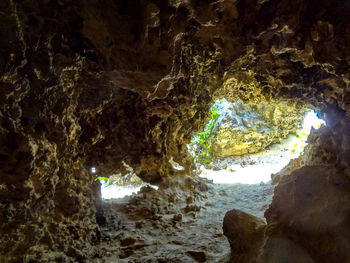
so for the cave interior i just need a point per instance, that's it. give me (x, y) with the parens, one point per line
(96, 88)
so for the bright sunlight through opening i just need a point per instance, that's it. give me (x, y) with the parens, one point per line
(260, 166)
(119, 186)
(116, 191)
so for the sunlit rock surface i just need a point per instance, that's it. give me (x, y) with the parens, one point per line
(242, 129)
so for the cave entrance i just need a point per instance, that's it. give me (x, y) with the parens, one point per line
(246, 144)
(121, 185)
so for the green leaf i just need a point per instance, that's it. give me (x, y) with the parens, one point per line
(101, 178)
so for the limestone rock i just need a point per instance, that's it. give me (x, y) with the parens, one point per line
(127, 179)
(244, 129)
(308, 220)
(245, 234)
(97, 83)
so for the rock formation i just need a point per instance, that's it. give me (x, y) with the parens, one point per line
(245, 234)
(243, 129)
(96, 83)
(308, 220)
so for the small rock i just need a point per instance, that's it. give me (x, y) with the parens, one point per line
(190, 208)
(177, 217)
(199, 256)
(127, 241)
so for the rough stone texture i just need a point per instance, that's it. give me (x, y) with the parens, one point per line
(130, 178)
(160, 226)
(81, 86)
(99, 83)
(308, 220)
(245, 234)
(244, 129)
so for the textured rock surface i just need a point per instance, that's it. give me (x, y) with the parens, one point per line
(245, 234)
(81, 86)
(243, 129)
(129, 178)
(308, 220)
(178, 224)
(94, 84)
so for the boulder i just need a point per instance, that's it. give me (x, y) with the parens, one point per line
(245, 234)
(308, 220)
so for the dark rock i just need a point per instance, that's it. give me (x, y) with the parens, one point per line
(198, 256)
(127, 241)
(310, 211)
(245, 234)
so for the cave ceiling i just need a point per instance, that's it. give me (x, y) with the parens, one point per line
(131, 80)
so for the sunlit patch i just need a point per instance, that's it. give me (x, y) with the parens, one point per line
(253, 174)
(115, 191)
(263, 165)
(175, 165)
(119, 186)
(311, 121)
(268, 162)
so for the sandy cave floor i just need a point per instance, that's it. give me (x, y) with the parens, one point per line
(168, 225)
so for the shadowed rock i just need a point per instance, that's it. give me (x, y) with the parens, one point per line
(245, 234)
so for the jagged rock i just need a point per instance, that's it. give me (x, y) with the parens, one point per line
(308, 220)
(245, 234)
(243, 129)
(310, 209)
(97, 83)
(127, 179)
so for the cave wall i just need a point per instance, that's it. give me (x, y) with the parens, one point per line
(81, 86)
(95, 83)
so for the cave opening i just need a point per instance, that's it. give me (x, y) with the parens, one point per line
(247, 144)
(244, 148)
(120, 185)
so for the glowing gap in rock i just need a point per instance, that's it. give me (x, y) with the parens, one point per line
(261, 165)
(119, 186)
(115, 191)
(311, 121)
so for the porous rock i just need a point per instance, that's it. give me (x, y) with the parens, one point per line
(244, 129)
(308, 220)
(97, 83)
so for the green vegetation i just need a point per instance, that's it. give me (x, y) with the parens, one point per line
(300, 145)
(311, 120)
(101, 178)
(203, 139)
